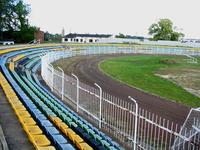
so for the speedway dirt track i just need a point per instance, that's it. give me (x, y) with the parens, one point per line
(86, 68)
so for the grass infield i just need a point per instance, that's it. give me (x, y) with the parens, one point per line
(146, 72)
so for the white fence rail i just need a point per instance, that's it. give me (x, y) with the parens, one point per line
(132, 127)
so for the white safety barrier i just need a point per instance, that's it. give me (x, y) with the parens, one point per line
(133, 127)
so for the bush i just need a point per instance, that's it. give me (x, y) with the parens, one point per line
(167, 61)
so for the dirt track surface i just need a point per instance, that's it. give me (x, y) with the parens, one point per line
(86, 68)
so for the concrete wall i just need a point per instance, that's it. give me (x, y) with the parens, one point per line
(172, 43)
(169, 43)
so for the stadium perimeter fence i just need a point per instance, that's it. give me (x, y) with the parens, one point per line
(131, 126)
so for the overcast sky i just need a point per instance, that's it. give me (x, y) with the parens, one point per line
(114, 16)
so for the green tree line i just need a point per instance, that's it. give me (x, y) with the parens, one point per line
(14, 23)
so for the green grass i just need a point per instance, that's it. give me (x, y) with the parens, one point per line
(139, 71)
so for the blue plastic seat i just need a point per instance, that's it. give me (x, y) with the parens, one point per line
(31, 105)
(94, 143)
(51, 131)
(66, 147)
(41, 117)
(46, 123)
(79, 130)
(36, 111)
(59, 139)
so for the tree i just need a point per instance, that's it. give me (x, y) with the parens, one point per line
(22, 11)
(13, 21)
(7, 15)
(48, 37)
(6, 8)
(120, 36)
(164, 30)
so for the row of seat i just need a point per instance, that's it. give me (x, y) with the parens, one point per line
(18, 57)
(80, 142)
(4, 51)
(34, 54)
(56, 137)
(11, 66)
(35, 134)
(83, 126)
(86, 130)
(12, 49)
(41, 105)
(54, 108)
(34, 111)
(75, 138)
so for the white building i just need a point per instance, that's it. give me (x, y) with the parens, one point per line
(85, 38)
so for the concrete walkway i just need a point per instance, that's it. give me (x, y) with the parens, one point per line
(3, 143)
(14, 134)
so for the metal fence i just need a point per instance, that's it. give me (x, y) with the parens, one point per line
(124, 121)
(190, 132)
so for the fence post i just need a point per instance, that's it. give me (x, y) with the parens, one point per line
(100, 107)
(136, 114)
(63, 82)
(42, 66)
(52, 76)
(77, 92)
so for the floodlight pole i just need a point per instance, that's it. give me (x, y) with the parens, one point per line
(136, 119)
(63, 77)
(100, 107)
(77, 92)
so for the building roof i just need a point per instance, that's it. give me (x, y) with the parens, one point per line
(74, 35)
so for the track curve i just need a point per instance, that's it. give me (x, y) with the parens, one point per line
(86, 68)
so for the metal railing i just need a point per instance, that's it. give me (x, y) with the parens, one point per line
(132, 127)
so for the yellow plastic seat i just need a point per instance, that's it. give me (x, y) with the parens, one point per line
(40, 140)
(3, 81)
(51, 118)
(57, 121)
(9, 90)
(69, 132)
(72, 137)
(63, 127)
(13, 96)
(28, 121)
(6, 87)
(46, 148)
(18, 107)
(8, 94)
(33, 130)
(84, 146)
(78, 139)
(14, 102)
(24, 113)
